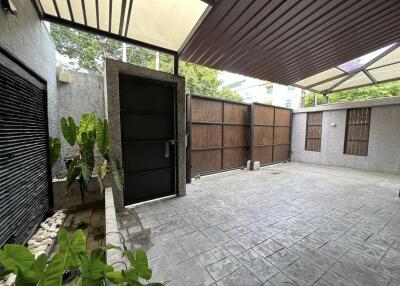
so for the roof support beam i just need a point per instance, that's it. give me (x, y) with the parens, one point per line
(110, 16)
(56, 8)
(338, 83)
(370, 76)
(38, 8)
(71, 14)
(102, 33)
(325, 80)
(97, 15)
(210, 2)
(128, 19)
(176, 64)
(84, 12)
(122, 17)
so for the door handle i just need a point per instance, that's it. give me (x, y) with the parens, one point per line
(166, 149)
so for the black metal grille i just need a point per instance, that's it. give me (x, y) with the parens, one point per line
(24, 159)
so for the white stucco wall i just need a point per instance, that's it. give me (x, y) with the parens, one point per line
(384, 139)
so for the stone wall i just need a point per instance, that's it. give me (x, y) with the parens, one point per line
(26, 37)
(384, 138)
(81, 94)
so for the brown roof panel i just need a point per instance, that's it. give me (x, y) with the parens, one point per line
(285, 41)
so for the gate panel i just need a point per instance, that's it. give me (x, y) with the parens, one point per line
(225, 134)
(271, 133)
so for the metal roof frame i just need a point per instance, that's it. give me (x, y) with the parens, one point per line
(121, 35)
(348, 75)
(286, 41)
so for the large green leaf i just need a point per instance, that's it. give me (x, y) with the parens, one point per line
(68, 129)
(139, 262)
(16, 257)
(55, 150)
(93, 271)
(86, 125)
(74, 170)
(54, 272)
(102, 136)
(88, 140)
(115, 277)
(118, 174)
(39, 265)
(86, 171)
(142, 266)
(72, 247)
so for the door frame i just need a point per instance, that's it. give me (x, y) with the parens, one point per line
(112, 109)
(174, 183)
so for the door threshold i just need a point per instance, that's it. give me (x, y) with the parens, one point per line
(131, 206)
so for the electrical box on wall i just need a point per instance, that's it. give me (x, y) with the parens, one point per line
(64, 77)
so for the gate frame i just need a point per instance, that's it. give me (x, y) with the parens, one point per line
(112, 109)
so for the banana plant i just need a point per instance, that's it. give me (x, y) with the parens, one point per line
(92, 132)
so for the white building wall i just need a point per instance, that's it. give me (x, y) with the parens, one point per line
(384, 139)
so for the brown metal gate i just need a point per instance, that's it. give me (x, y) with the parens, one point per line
(224, 135)
(270, 133)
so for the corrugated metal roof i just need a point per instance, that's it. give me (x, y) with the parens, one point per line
(287, 41)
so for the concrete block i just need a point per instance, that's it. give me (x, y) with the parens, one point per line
(248, 166)
(256, 165)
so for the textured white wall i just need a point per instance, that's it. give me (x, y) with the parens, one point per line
(27, 38)
(383, 148)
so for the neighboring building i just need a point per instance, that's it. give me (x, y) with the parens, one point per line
(254, 90)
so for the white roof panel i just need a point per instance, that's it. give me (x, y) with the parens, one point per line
(160, 23)
(358, 79)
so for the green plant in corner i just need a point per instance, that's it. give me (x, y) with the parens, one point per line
(55, 150)
(73, 255)
(91, 132)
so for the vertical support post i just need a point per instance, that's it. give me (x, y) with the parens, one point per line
(326, 98)
(273, 136)
(222, 139)
(176, 64)
(189, 138)
(251, 139)
(290, 135)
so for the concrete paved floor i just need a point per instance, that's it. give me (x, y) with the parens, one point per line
(287, 224)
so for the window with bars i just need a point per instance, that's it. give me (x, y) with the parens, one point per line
(314, 131)
(357, 131)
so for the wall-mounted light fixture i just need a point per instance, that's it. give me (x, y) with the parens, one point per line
(333, 124)
(8, 7)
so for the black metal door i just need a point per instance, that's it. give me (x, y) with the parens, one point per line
(148, 138)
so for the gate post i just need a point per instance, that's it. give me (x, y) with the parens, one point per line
(252, 111)
(189, 138)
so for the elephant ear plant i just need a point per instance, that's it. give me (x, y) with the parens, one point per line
(92, 132)
(72, 255)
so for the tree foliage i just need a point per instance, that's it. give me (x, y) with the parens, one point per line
(87, 52)
(362, 93)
